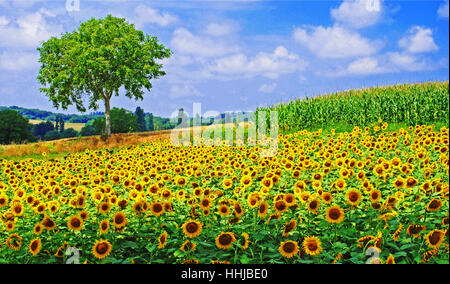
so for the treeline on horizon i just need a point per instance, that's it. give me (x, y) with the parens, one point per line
(16, 128)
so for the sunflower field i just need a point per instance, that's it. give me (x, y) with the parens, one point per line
(370, 195)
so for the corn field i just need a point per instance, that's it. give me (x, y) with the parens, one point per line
(411, 104)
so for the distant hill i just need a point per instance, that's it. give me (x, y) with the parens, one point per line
(37, 114)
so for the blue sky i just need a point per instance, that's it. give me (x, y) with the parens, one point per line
(240, 54)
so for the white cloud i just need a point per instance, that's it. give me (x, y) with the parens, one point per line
(186, 90)
(365, 66)
(19, 3)
(216, 29)
(267, 88)
(3, 21)
(270, 65)
(407, 62)
(336, 42)
(185, 42)
(417, 40)
(18, 61)
(145, 14)
(443, 10)
(358, 13)
(28, 31)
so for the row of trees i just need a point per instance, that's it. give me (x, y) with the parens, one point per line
(16, 128)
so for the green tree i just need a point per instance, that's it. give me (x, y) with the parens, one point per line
(57, 123)
(39, 130)
(88, 130)
(14, 128)
(151, 125)
(69, 133)
(61, 124)
(52, 135)
(140, 119)
(122, 121)
(96, 60)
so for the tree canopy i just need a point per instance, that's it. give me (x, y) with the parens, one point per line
(96, 61)
(14, 128)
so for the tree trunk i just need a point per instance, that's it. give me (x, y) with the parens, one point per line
(107, 118)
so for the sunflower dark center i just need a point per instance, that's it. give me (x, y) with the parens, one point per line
(225, 239)
(75, 223)
(192, 228)
(434, 204)
(101, 248)
(353, 197)
(334, 214)
(289, 247)
(434, 238)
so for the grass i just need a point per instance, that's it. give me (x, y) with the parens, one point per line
(58, 148)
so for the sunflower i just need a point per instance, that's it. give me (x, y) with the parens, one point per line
(119, 220)
(180, 181)
(353, 197)
(190, 261)
(327, 197)
(313, 205)
(414, 230)
(14, 242)
(9, 226)
(37, 229)
(299, 186)
(304, 196)
(101, 249)
(428, 255)
(104, 207)
(17, 209)
(62, 250)
(252, 201)
(48, 223)
(238, 210)
(3, 200)
(340, 184)
(396, 234)
(289, 227)
(35, 246)
(390, 259)
(84, 215)
(263, 209)
(288, 249)
(312, 245)
(104, 226)
(75, 223)
(224, 210)
(192, 228)
(280, 206)
(162, 240)
(227, 183)
(290, 199)
(205, 203)
(434, 238)
(188, 246)
(411, 182)
(246, 181)
(246, 243)
(157, 208)
(267, 183)
(434, 205)
(334, 214)
(225, 240)
(375, 195)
